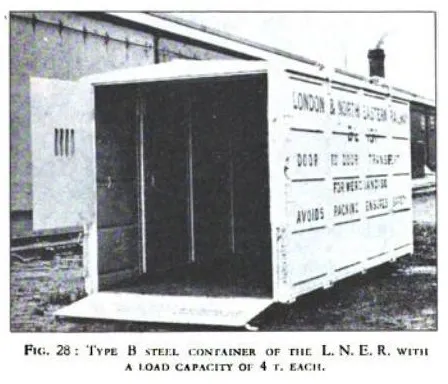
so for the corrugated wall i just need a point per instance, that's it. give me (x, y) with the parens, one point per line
(170, 49)
(69, 46)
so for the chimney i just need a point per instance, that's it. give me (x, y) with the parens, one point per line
(376, 62)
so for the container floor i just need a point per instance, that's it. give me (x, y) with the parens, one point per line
(220, 279)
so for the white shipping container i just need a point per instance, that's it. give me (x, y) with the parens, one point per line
(209, 190)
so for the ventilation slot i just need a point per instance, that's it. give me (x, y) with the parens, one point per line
(72, 142)
(56, 142)
(64, 142)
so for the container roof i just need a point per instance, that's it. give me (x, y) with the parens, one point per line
(178, 70)
(193, 69)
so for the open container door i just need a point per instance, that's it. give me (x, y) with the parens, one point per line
(182, 306)
(63, 161)
(62, 125)
(124, 306)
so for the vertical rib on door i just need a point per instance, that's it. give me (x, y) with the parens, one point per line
(62, 128)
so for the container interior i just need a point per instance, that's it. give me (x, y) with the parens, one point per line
(183, 187)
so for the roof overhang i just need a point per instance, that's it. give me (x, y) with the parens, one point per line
(179, 70)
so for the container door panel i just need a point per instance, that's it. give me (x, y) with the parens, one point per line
(62, 126)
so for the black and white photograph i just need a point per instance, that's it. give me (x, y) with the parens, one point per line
(222, 171)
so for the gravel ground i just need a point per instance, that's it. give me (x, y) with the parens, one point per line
(402, 296)
(425, 209)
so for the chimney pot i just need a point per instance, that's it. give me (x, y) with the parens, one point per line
(376, 62)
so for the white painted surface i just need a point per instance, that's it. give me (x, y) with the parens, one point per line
(177, 70)
(63, 183)
(234, 311)
(347, 184)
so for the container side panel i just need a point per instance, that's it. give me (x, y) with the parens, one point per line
(348, 189)
(401, 233)
(346, 147)
(309, 258)
(402, 164)
(308, 192)
(401, 228)
(399, 117)
(62, 122)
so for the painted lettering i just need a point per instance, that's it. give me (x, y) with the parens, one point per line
(374, 113)
(350, 159)
(348, 108)
(397, 118)
(308, 102)
(383, 159)
(310, 215)
(399, 201)
(375, 183)
(343, 186)
(307, 159)
(374, 205)
(345, 209)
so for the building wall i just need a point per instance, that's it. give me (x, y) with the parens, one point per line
(170, 49)
(423, 139)
(431, 137)
(68, 46)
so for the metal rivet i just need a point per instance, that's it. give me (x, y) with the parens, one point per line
(34, 21)
(84, 33)
(60, 27)
(106, 38)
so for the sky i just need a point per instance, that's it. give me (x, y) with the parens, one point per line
(343, 39)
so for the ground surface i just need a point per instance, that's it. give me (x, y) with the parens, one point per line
(425, 209)
(398, 297)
